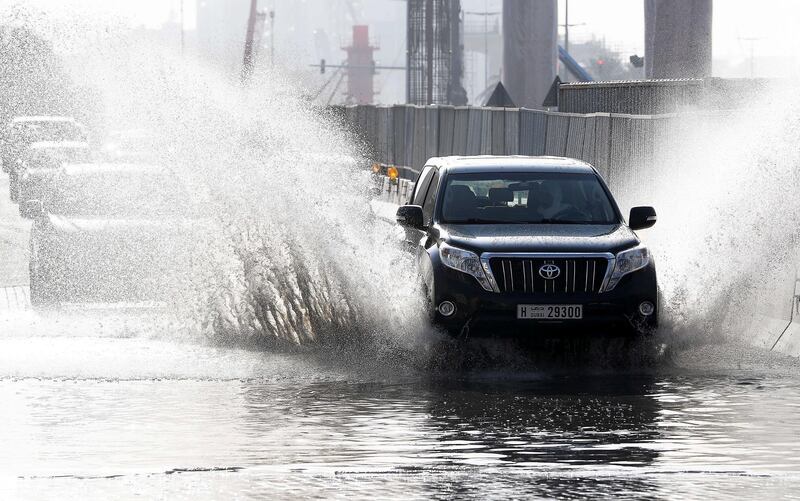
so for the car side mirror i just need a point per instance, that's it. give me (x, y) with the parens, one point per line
(31, 209)
(642, 217)
(410, 216)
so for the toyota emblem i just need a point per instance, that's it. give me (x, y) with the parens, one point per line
(549, 271)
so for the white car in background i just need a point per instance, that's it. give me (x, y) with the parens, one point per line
(23, 131)
(39, 162)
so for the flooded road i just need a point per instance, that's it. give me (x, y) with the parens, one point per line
(101, 403)
(110, 404)
(100, 412)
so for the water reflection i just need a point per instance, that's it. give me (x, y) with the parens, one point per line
(574, 421)
(458, 424)
(309, 430)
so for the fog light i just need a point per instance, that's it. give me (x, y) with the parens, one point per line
(446, 308)
(647, 308)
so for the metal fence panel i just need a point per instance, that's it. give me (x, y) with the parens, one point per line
(399, 133)
(386, 135)
(461, 131)
(432, 132)
(557, 131)
(647, 97)
(588, 150)
(370, 131)
(620, 149)
(486, 131)
(447, 125)
(420, 137)
(602, 143)
(511, 137)
(532, 132)
(474, 132)
(577, 128)
(498, 135)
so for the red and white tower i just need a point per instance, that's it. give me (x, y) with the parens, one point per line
(360, 67)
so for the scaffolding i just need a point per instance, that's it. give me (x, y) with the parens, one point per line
(435, 53)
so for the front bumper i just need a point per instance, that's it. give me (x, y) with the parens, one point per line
(614, 313)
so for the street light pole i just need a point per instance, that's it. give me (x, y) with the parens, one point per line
(272, 37)
(566, 26)
(183, 30)
(247, 63)
(486, 45)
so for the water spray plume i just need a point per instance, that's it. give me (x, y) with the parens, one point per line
(725, 187)
(295, 253)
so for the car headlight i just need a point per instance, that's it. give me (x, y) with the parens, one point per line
(466, 262)
(627, 262)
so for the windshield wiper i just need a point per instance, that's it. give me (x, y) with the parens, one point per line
(541, 221)
(475, 220)
(559, 221)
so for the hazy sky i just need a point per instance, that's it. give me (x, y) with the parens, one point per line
(773, 23)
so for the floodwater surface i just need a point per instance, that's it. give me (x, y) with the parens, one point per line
(99, 411)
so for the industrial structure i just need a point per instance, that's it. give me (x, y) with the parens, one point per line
(530, 52)
(360, 67)
(434, 53)
(678, 38)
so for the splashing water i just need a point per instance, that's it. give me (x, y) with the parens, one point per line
(295, 254)
(726, 195)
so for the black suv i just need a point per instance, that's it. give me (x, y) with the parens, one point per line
(510, 244)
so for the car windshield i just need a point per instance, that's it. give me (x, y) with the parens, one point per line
(48, 158)
(126, 195)
(526, 198)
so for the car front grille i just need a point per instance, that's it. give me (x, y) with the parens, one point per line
(575, 275)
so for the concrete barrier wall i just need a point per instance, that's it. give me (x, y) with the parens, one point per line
(620, 146)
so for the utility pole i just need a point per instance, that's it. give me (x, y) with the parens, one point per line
(751, 41)
(486, 44)
(567, 26)
(247, 64)
(272, 37)
(183, 30)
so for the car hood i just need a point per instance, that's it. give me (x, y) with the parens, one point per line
(539, 237)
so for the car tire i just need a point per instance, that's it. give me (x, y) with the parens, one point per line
(41, 290)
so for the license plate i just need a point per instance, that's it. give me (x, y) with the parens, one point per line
(549, 311)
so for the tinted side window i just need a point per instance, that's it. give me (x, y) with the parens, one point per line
(430, 199)
(422, 186)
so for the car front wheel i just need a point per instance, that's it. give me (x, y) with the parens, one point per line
(42, 289)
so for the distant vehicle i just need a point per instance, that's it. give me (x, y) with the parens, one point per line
(39, 162)
(529, 245)
(132, 145)
(109, 233)
(22, 131)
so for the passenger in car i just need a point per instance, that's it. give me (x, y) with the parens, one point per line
(460, 202)
(539, 201)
